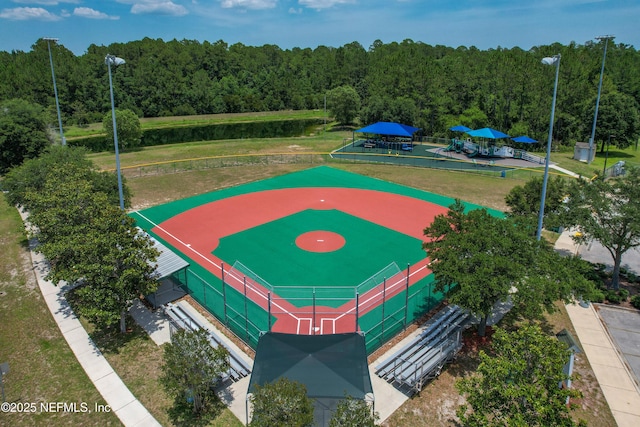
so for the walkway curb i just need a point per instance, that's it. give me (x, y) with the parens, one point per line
(615, 380)
(115, 393)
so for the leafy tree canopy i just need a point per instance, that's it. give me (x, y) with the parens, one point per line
(344, 104)
(518, 382)
(524, 202)
(609, 212)
(23, 132)
(283, 403)
(192, 367)
(352, 412)
(88, 240)
(33, 174)
(129, 130)
(482, 260)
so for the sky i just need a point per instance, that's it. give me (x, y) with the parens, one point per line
(485, 24)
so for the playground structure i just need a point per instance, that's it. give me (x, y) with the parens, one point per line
(491, 150)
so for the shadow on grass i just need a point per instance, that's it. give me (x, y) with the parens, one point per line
(182, 415)
(111, 341)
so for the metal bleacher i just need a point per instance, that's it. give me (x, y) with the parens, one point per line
(181, 318)
(423, 357)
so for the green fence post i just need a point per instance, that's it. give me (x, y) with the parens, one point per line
(384, 297)
(224, 296)
(357, 307)
(269, 310)
(406, 298)
(246, 318)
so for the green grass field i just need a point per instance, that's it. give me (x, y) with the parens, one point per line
(44, 369)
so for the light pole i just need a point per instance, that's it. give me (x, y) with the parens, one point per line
(606, 157)
(55, 88)
(595, 116)
(554, 60)
(114, 60)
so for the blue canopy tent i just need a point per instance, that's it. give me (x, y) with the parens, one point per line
(524, 139)
(389, 128)
(487, 133)
(460, 128)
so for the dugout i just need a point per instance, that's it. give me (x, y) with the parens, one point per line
(330, 366)
(171, 272)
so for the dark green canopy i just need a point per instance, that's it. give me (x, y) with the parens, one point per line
(328, 365)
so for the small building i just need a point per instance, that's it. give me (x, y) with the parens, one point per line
(581, 152)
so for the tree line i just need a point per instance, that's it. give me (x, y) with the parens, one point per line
(431, 87)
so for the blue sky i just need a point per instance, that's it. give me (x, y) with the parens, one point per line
(310, 23)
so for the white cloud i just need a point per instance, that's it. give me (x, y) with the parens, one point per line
(249, 4)
(158, 7)
(323, 4)
(46, 2)
(87, 12)
(294, 11)
(28, 14)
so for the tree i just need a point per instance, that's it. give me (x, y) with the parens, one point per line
(607, 211)
(192, 367)
(90, 241)
(283, 403)
(524, 202)
(129, 130)
(519, 383)
(480, 260)
(23, 132)
(33, 174)
(617, 116)
(344, 104)
(352, 412)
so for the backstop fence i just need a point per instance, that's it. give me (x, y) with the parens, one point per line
(380, 307)
(312, 159)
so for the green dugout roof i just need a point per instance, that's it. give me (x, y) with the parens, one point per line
(330, 366)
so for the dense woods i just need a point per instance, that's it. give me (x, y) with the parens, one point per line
(431, 87)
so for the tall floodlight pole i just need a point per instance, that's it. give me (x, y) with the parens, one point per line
(55, 88)
(114, 60)
(554, 60)
(595, 115)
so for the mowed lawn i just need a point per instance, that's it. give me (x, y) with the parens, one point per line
(44, 369)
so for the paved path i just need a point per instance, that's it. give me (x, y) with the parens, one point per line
(609, 363)
(115, 393)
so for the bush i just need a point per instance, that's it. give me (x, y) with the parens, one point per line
(624, 294)
(613, 297)
(635, 301)
(597, 297)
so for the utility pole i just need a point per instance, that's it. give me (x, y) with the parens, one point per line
(595, 116)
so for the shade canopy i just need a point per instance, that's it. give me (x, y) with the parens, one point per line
(330, 367)
(525, 139)
(460, 128)
(488, 133)
(389, 128)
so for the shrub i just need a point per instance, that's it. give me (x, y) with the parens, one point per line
(635, 301)
(613, 297)
(624, 294)
(597, 297)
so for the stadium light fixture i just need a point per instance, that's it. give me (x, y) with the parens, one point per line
(115, 61)
(63, 141)
(553, 60)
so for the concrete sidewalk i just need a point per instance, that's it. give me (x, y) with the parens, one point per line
(612, 374)
(115, 393)
(616, 380)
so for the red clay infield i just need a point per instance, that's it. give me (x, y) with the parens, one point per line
(197, 232)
